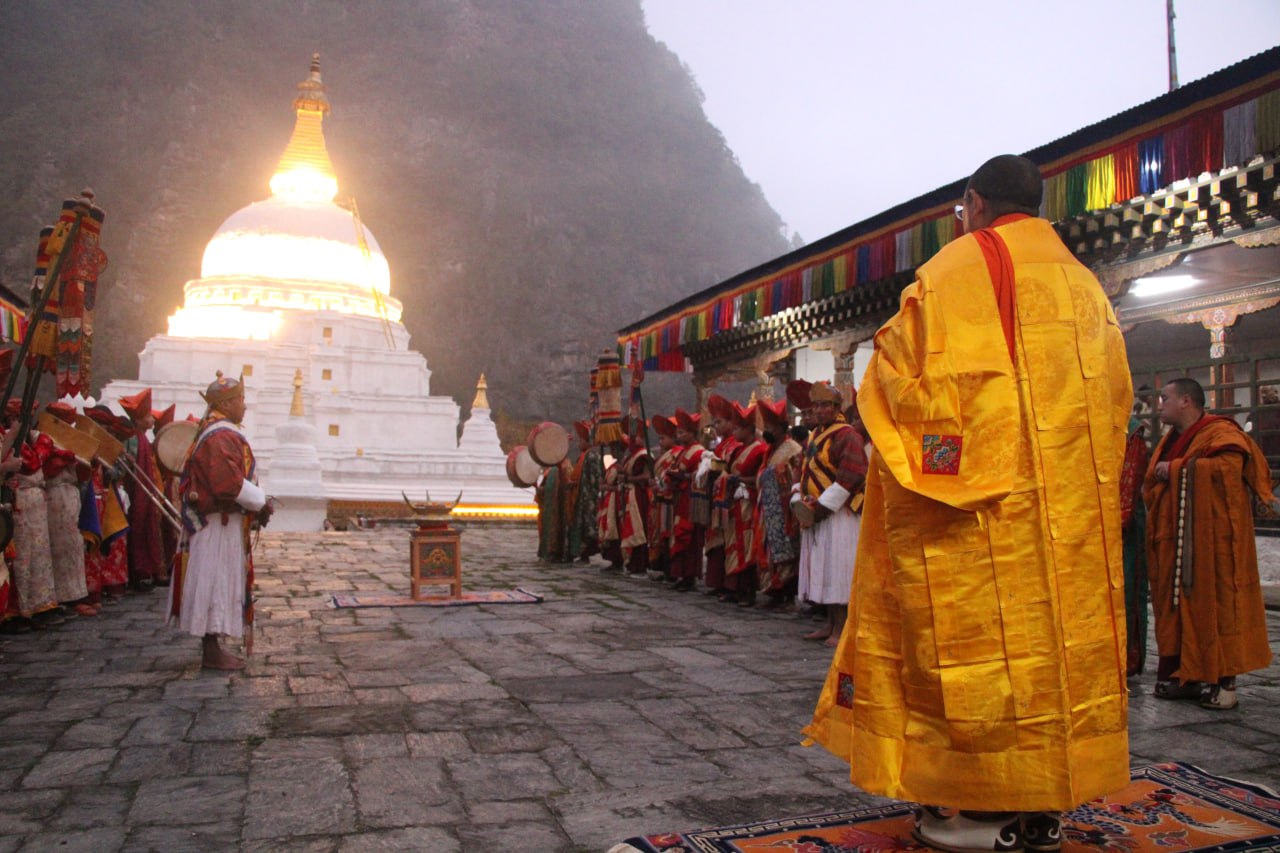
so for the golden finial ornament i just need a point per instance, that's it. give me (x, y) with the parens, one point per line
(482, 399)
(295, 406)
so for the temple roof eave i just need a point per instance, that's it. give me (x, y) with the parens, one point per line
(1238, 206)
(1110, 235)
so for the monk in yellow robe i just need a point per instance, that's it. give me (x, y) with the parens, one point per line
(983, 663)
(1211, 623)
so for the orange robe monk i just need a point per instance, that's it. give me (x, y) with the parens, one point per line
(983, 663)
(1215, 626)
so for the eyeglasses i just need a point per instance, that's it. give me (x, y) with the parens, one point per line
(960, 212)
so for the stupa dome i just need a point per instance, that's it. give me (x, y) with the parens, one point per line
(304, 241)
(297, 250)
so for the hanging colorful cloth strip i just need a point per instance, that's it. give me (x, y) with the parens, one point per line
(1076, 194)
(1055, 197)
(840, 270)
(1240, 133)
(1151, 159)
(1268, 121)
(888, 250)
(1100, 183)
(1125, 167)
(1205, 144)
(902, 250)
(1177, 154)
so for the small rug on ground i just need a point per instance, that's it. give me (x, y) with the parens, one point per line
(1170, 806)
(398, 599)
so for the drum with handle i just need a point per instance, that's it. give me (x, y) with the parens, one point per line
(803, 513)
(172, 443)
(548, 444)
(522, 470)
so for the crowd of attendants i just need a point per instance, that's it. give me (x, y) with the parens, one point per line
(84, 533)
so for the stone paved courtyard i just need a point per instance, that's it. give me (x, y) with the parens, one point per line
(614, 708)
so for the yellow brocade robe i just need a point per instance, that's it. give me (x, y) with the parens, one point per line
(983, 664)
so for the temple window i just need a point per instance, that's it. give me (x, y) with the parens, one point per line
(326, 374)
(333, 429)
(246, 370)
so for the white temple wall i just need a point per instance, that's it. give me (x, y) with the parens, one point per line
(390, 434)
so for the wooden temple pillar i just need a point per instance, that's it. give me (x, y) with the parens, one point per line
(1219, 323)
(768, 368)
(843, 349)
(1221, 374)
(843, 379)
(702, 385)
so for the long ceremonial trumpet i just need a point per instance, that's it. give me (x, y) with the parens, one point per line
(152, 491)
(110, 450)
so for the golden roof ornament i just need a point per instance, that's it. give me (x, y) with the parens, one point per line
(311, 94)
(295, 406)
(305, 172)
(482, 399)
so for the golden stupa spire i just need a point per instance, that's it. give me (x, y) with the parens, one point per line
(304, 172)
(295, 406)
(482, 399)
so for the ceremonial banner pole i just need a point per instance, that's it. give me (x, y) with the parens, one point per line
(33, 312)
(637, 402)
(68, 263)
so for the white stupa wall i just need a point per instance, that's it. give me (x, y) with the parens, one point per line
(391, 435)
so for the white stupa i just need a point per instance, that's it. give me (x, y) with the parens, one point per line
(298, 283)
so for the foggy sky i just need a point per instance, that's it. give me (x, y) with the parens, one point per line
(840, 109)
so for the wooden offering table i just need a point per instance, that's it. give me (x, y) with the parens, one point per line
(435, 550)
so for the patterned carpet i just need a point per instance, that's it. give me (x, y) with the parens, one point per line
(395, 599)
(1173, 807)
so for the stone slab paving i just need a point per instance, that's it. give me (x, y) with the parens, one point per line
(616, 707)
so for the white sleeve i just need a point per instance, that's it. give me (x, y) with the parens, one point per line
(251, 497)
(834, 497)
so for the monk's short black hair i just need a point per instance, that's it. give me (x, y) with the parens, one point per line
(1009, 183)
(1188, 387)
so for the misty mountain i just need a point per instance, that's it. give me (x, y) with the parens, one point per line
(537, 172)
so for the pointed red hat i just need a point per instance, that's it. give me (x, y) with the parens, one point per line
(798, 393)
(137, 405)
(687, 421)
(164, 418)
(772, 413)
(64, 412)
(721, 408)
(663, 426)
(119, 427)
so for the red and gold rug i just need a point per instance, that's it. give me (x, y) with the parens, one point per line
(1174, 807)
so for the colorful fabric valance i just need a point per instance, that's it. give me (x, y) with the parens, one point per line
(13, 323)
(1229, 131)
